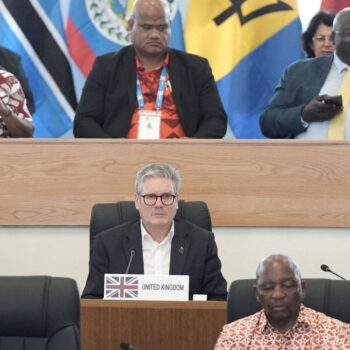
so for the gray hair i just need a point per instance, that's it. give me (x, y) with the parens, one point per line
(280, 257)
(157, 170)
(165, 5)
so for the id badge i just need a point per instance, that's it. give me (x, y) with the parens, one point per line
(149, 125)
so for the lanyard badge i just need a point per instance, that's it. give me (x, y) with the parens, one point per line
(149, 121)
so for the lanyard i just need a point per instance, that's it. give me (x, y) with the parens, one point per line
(160, 93)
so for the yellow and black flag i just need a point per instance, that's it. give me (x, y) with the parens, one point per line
(248, 44)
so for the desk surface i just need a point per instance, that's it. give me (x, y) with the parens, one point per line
(150, 325)
(245, 182)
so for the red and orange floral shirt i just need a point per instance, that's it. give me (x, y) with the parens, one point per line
(312, 331)
(170, 125)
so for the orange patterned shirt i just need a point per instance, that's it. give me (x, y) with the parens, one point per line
(312, 331)
(170, 126)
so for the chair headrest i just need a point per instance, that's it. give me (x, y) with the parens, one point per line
(107, 215)
(37, 306)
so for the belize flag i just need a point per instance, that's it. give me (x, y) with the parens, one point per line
(248, 44)
(58, 41)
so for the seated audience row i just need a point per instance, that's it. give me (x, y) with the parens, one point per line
(149, 91)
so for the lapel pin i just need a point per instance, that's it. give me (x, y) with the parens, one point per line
(181, 250)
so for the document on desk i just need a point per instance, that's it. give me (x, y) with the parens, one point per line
(146, 287)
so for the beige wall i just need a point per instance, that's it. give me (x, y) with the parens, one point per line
(63, 251)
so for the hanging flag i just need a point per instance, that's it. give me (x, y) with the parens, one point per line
(248, 45)
(45, 63)
(334, 5)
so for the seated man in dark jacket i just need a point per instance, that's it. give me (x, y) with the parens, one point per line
(162, 245)
(304, 104)
(148, 91)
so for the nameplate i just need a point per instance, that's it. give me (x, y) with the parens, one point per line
(146, 287)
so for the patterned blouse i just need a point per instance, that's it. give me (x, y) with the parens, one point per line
(312, 331)
(12, 95)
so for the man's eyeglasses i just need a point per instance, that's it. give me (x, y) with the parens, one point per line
(151, 199)
(323, 39)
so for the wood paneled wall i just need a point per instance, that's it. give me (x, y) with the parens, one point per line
(245, 183)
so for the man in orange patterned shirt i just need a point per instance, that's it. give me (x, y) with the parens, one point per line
(284, 323)
(149, 91)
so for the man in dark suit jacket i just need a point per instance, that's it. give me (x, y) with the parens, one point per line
(109, 104)
(11, 62)
(296, 107)
(185, 248)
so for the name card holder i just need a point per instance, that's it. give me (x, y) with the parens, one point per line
(146, 287)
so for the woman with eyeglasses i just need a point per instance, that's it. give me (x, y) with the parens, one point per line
(317, 39)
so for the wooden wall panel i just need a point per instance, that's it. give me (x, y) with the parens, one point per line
(245, 183)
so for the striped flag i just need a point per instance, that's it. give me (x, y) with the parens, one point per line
(248, 44)
(334, 5)
(27, 29)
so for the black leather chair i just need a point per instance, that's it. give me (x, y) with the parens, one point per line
(332, 297)
(107, 215)
(39, 313)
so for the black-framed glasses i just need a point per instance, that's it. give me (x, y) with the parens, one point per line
(151, 199)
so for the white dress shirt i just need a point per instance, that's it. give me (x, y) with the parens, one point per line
(156, 256)
(331, 87)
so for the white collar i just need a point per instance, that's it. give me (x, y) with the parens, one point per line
(339, 64)
(145, 234)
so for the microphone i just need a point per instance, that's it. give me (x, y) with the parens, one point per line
(325, 268)
(132, 254)
(127, 346)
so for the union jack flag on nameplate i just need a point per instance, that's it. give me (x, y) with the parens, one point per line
(121, 287)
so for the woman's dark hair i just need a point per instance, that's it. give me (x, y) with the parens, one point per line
(321, 17)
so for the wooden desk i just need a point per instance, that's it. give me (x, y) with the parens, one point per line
(151, 325)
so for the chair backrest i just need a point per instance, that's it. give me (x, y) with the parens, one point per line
(107, 215)
(39, 313)
(332, 297)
